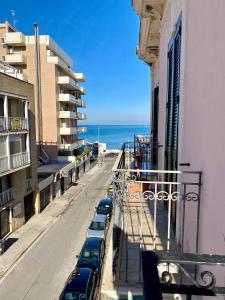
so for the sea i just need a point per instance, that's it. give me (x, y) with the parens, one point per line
(114, 135)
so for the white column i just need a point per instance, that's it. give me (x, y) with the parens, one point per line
(6, 112)
(6, 115)
(8, 152)
(26, 109)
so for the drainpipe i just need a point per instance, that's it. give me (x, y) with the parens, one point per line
(38, 86)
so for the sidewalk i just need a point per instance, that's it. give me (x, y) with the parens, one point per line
(26, 235)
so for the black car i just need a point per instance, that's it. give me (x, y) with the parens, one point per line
(105, 207)
(92, 254)
(80, 285)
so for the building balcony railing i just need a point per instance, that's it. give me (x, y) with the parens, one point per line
(6, 196)
(81, 103)
(150, 202)
(3, 124)
(75, 145)
(81, 129)
(15, 38)
(68, 130)
(4, 165)
(79, 77)
(13, 124)
(16, 58)
(82, 90)
(68, 98)
(18, 123)
(19, 160)
(68, 82)
(81, 116)
(67, 114)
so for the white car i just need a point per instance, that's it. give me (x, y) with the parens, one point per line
(98, 227)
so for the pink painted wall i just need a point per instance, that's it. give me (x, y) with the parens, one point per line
(202, 111)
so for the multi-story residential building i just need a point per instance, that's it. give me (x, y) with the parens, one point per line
(18, 158)
(57, 91)
(185, 49)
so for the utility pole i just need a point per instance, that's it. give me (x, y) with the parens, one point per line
(38, 86)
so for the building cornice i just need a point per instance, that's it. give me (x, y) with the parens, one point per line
(151, 13)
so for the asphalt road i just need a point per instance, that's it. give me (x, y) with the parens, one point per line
(43, 270)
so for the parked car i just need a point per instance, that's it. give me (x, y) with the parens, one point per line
(98, 226)
(105, 207)
(92, 254)
(81, 285)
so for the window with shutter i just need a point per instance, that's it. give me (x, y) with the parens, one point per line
(172, 121)
(155, 113)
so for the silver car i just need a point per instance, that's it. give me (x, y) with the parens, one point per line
(98, 227)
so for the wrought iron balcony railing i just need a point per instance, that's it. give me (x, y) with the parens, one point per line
(163, 207)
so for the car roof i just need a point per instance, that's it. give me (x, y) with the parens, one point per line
(92, 243)
(105, 201)
(79, 280)
(99, 218)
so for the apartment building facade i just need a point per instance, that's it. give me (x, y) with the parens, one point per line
(18, 158)
(184, 47)
(57, 91)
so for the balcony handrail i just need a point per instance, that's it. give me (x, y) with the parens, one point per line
(7, 196)
(18, 123)
(3, 123)
(19, 159)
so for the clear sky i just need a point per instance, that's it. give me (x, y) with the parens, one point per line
(100, 36)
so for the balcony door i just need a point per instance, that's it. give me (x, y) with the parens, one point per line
(172, 122)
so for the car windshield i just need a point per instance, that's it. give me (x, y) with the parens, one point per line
(74, 296)
(103, 209)
(97, 225)
(88, 254)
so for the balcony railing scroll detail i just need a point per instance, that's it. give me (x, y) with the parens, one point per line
(7, 196)
(192, 277)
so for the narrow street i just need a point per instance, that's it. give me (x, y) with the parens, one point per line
(41, 273)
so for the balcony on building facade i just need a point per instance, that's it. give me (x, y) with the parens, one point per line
(13, 124)
(57, 60)
(75, 145)
(81, 116)
(6, 196)
(68, 98)
(64, 114)
(16, 58)
(79, 77)
(67, 130)
(15, 38)
(156, 206)
(19, 160)
(14, 161)
(82, 90)
(81, 103)
(68, 82)
(81, 129)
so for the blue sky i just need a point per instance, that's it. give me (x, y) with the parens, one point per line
(101, 37)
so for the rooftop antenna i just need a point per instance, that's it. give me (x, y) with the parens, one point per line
(13, 13)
